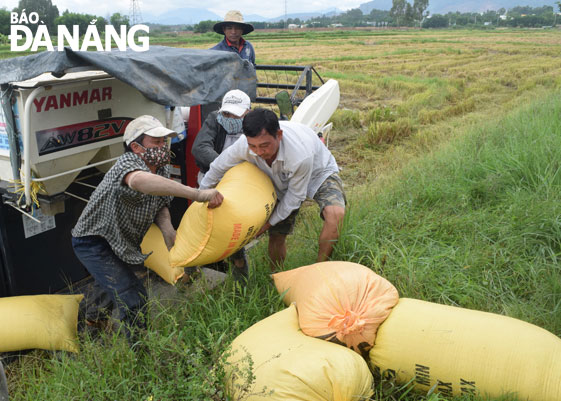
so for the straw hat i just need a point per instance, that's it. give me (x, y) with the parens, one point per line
(233, 17)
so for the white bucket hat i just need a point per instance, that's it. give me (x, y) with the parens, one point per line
(233, 17)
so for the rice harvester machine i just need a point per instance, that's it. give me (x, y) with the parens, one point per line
(62, 118)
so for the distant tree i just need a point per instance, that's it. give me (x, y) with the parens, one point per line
(100, 23)
(320, 22)
(398, 10)
(489, 16)
(295, 21)
(256, 24)
(46, 10)
(419, 9)
(379, 15)
(4, 21)
(352, 17)
(204, 26)
(409, 15)
(531, 21)
(558, 5)
(527, 11)
(117, 19)
(82, 20)
(520, 10)
(436, 21)
(405, 14)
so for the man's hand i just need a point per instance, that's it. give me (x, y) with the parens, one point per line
(163, 221)
(169, 238)
(216, 200)
(263, 229)
(212, 196)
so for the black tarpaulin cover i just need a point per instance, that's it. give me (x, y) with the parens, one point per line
(166, 75)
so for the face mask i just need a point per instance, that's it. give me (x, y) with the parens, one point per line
(158, 156)
(231, 125)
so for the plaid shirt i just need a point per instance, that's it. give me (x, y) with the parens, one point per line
(120, 214)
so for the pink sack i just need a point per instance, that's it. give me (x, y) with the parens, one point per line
(342, 302)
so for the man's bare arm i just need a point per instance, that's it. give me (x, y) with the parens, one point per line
(153, 184)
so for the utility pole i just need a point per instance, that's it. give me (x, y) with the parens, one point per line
(135, 15)
(285, 15)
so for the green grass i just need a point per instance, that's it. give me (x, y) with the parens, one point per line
(477, 224)
(184, 346)
(451, 157)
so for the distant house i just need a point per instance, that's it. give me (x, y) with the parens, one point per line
(293, 26)
(502, 17)
(336, 25)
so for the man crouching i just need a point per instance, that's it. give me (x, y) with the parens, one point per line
(134, 193)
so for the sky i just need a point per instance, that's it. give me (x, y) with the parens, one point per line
(267, 9)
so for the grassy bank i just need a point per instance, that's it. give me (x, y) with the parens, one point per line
(477, 224)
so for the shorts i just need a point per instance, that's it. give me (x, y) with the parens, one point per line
(329, 193)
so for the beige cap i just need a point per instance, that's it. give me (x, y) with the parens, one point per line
(148, 125)
(233, 17)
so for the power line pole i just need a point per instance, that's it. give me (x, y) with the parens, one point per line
(135, 14)
(285, 15)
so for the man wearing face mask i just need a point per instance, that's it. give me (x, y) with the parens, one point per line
(220, 130)
(133, 194)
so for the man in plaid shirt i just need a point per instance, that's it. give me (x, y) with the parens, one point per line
(134, 193)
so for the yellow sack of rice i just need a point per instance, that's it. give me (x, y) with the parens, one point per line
(455, 351)
(39, 321)
(274, 360)
(208, 235)
(158, 261)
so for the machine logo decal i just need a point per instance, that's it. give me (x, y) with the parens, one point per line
(69, 136)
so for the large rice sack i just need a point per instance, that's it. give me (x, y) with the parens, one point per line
(342, 302)
(208, 235)
(285, 364)
(158, 261)
(39, 321)
(461, 351)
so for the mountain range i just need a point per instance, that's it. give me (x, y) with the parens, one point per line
(464, 6)
(191, 16)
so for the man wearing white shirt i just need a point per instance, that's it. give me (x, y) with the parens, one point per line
(300, 167)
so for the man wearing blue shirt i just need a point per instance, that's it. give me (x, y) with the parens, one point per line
(233, 28)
